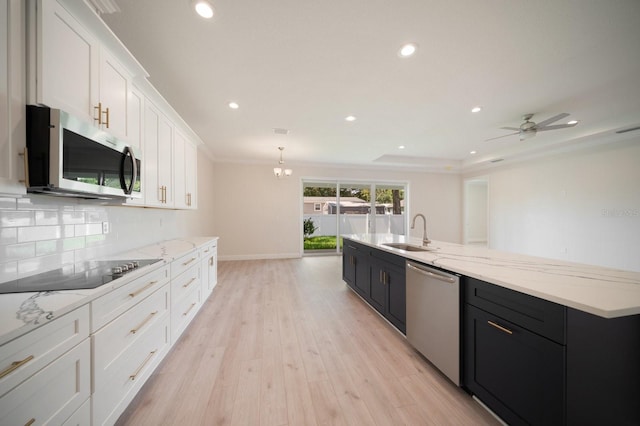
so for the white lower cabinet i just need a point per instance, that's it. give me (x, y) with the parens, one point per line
(86, 366)
(21, 358)
(126, 351)
(53, 394)
(209, 268)
(186, 291)
(81, 417)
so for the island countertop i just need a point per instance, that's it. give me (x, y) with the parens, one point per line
(605, 292)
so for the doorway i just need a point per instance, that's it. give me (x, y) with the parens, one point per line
(476, 192)
(332, 208)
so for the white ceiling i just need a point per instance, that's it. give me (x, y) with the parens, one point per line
(304, 65)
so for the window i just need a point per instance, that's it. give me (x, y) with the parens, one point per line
(332, 208)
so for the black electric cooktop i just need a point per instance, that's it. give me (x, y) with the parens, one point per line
(84, 275)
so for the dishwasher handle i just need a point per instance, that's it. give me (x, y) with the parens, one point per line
(432, 273)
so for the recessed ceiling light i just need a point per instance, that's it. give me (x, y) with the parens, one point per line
(573, 122)
(407, 50)
(203, 8)
(476, 109)
(401, 147)
(350, 118)
(233, 105)
(473, 152)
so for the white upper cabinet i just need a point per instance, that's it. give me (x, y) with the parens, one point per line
(185, 172)
(158, 144)
(12, 96)
(77, 64)
(179, 171)
(75, 74)
(67, 62)
(135, 130)
(191, 174)
(115, 86)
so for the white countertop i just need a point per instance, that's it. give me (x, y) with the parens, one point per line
(23, 312)
(605, 292)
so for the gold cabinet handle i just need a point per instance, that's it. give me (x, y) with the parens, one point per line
(499, 327)
(211, 261)
(137, 292)
(30, 422)
(146, 360)
(25, 158)
(14, 366)
(189, 310)
(142, 324)
(189, 283)
(106, 113)
(164, 194)
(188, 261)
(99, 110)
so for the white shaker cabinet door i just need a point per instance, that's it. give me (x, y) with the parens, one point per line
(135, 131)
(114, 90)
(181, 199)
(158, 143)
(12, 96)
(191, 174)
(67, 62)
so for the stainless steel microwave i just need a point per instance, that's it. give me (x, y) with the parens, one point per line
(67, 156)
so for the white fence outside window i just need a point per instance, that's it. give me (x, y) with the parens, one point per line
(356, 224)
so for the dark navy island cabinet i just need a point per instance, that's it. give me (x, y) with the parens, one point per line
(535, 362)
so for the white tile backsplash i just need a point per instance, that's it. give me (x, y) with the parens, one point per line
(8, 236)
(40, 233)
(16, 218)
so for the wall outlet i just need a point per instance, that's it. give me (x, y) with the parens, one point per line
(105, 227)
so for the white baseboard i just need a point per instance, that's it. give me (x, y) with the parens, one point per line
(260, 256)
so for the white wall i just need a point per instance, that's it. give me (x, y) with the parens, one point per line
(259, 216)
(582, 207)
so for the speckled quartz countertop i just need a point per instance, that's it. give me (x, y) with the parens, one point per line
(23, 312)
(600, 291)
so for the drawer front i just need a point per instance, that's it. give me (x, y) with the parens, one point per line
(114, 338)
(185, 282)
(22, 357)
(81, 417)
(183, 311)
(208, 248)
(53, 394)
(539, 316)
(115, 385)
(108, 307)
(183, 263)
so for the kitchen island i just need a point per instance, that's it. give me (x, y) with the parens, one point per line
(605, 292)
(542, 341)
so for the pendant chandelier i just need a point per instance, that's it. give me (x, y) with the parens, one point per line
(279, 171)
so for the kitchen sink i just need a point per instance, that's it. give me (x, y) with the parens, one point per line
(408, 247)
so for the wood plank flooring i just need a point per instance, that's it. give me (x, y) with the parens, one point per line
(285, 342)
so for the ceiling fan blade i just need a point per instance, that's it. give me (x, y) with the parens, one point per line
(511, 128)
(552, 120)
(556, 127)
(503, 136)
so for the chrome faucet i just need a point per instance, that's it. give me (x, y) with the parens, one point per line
(425, 240)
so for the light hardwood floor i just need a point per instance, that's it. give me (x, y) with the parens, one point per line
(285, 342)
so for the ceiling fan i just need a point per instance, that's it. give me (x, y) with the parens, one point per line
(528, 129)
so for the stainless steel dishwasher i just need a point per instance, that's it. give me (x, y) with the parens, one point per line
(433, 317)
